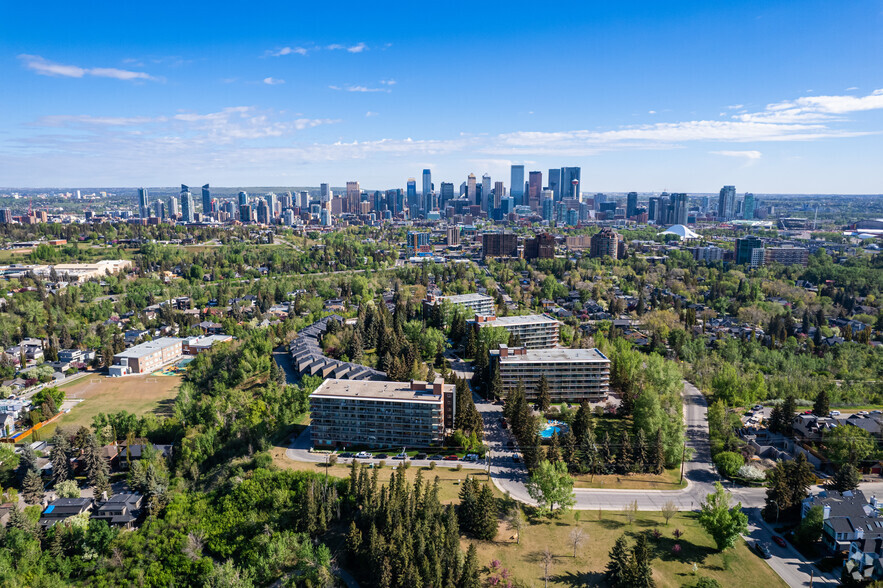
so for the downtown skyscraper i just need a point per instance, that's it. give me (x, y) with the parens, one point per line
(187, 212)
(516, 185)
(143, 202)
(726, 203)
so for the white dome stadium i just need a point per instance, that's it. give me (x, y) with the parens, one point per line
(681, 231)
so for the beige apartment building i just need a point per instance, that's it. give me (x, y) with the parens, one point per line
(536, 331)
(370, 413)
(573, 375)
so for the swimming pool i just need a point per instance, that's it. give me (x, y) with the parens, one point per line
(552, 427)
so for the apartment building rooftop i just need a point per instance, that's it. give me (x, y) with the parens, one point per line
(464, 298)
(413, 391)
(556, 355)
(506, 321)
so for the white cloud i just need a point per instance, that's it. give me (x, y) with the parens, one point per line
(370, 113)
(45, 67)
(748, 155)
(736, 106)
(358, 88)
(388, 82)
(288, 51)
(651, 112)
(851, 88)
(357, 48)
(273, 81)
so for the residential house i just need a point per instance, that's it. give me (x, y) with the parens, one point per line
(812, 427)
(120, 510)
(62, 509)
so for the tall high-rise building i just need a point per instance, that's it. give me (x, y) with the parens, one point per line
(304, 200)
(427, 183)
(555, 183)
(516, 185)
(173, 207)
(353, 197)
(677, 208)
(652, 208)
(605, 243)
(568, 188)
(263, 212)
(324, 193)
(631, 204)
(446, 194)
(499, 193)
(726, 203)
(748, 206)
(159, 209)
(534, 187)
(271, 205)
(548, 205)
(206, 201)
(471, 192)
(187, 212)
(412, 193)
(486, 193)
(243, 199)
(143, 202)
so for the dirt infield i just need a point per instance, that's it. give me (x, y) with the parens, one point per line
(135, 394)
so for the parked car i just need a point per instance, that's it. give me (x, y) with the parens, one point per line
(381, 456)
(401, 456)
(346, 454)
(436, 457)
(471, 457)
(779, 541)
(452, 458)
(420, 456)
(757, 407)
(834, 413)
(363, 455)
(763, 550)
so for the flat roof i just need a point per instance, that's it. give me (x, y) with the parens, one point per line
(376, 390)
(149, 347)
(460, 298)
(561, 355)
(527, 319)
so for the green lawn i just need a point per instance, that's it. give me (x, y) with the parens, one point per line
(738, 567)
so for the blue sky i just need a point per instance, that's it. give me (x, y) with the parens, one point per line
(687, 96)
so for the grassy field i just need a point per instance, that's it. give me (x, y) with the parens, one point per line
(737, 567)
(134, 394)
(667, 480)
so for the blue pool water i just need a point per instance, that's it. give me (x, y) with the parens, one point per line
(550, 429)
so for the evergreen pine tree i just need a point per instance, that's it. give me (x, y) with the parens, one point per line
(583, 419)
(553, 453)
(775, 423)
(60, 458)
(496, 389)
(606, 456)
(788, 409)
(468, 506)
(626, 459)
(846, 478)
(619, 567)
(569, 448)
(822, 405)
(543, 399)
(469, 576)
(32, 487)
(486, 527)
(657, 464)
(639, 452)
(642, 573)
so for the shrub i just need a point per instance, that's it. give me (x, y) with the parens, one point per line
(432, 465)
(382, 464)
(728, 463)
(459, 467)
(750, 472)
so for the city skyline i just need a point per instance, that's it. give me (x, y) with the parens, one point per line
(778, 98)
